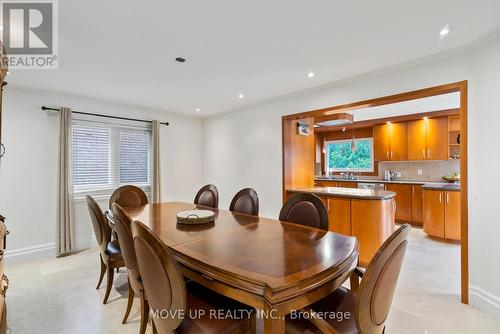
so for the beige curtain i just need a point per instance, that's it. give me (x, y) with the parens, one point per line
(65, 222)
(156, 180)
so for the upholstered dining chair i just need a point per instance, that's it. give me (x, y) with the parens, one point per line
(208, 196)
(122, 227)
(305, 209)
(167, 292)
(368, 304)
(128, 195)
(245, 201)
(109, 251)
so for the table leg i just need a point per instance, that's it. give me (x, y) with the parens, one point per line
(273, 318)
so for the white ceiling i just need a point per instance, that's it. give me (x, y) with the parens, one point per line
(123, 50)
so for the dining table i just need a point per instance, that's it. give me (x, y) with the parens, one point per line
(274, 267)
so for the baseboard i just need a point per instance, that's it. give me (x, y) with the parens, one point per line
(26, 253)
(44, 250)
(484, 301)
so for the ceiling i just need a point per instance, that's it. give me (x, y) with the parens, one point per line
(124, 50)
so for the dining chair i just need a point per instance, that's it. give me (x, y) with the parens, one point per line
(109, 251)
(169, 296)
(245, 201)
(122, 227)
(305, 209)
(368, 305)
(128, 195)
(207, 196)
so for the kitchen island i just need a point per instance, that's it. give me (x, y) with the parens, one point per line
(366, 214)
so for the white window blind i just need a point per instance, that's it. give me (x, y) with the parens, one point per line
(106, 156)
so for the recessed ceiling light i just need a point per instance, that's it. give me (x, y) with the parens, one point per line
(1, 27)
(310, 75)
(426, 118)
(198, 109)
(241, 96)
(180, 59)
(7, 71)
(445, 31)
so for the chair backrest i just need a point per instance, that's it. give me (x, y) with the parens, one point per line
(128, 196)
(100, 224)
(122, 227)
(208, 196)
(245, 201)
(377, 287)
(305, 209)
(161, 277)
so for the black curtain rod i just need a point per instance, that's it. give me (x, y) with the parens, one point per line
(107, 116)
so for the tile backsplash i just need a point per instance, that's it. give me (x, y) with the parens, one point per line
(431, 170)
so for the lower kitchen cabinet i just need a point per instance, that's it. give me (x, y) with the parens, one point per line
(403, 201)
(339, 214)
(442, 214)
(417, 206)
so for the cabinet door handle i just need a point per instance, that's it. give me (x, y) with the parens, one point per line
(428, 153)
(447, 198)
(423, 153)
(392, 154)
(413, 190)
(440, 197)
(387, 154)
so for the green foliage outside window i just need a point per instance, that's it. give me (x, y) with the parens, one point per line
(341, 157)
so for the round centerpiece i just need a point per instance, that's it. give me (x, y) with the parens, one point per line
(195, 217)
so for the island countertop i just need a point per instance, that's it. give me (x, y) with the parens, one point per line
(357, 193)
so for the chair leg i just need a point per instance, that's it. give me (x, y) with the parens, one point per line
(129, 304)
(110, 283)
(103, 270)
(144, 314)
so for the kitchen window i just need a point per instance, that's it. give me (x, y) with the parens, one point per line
(341, 157)
(106, 156)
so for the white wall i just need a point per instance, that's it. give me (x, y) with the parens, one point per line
(243, 148)
(28, 171)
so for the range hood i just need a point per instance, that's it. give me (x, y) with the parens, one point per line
(334, 120)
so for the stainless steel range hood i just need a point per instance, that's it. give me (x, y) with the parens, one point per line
(334, 120)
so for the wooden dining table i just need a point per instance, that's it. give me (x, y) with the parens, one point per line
(274, 267)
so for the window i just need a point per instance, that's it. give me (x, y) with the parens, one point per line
(106, 156)
(340, 157)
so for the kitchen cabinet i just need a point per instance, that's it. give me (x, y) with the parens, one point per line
(345, 184)
(390, 142)
(403, 201)
(417, 205)
(442, 214)
(452, 215)
(427, 139)
(339, 214)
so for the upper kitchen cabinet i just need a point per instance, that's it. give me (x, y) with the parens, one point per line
(428, 139)
(390, 142)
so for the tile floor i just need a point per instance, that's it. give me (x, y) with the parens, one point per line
(59, 296)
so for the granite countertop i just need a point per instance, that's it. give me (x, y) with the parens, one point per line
(327, 178)
(346, 192)
(442, 186)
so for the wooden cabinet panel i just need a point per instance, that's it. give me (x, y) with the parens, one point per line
(452, 215)
(403, 200)
(398, 142)
(416, 140)
(417, 209)
(434, 213)
(372, 222)
(339, 215)
(381, 142)
(437, 138)
(345, 184)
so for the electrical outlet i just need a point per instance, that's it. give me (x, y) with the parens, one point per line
(419, 171)
(397, 174)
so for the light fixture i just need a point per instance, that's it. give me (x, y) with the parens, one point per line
(353, 144)
(324, 141)
(426, 118)
(310, 75)
(445, 31)
(241, 96)
(388, 122)
(198, 109)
